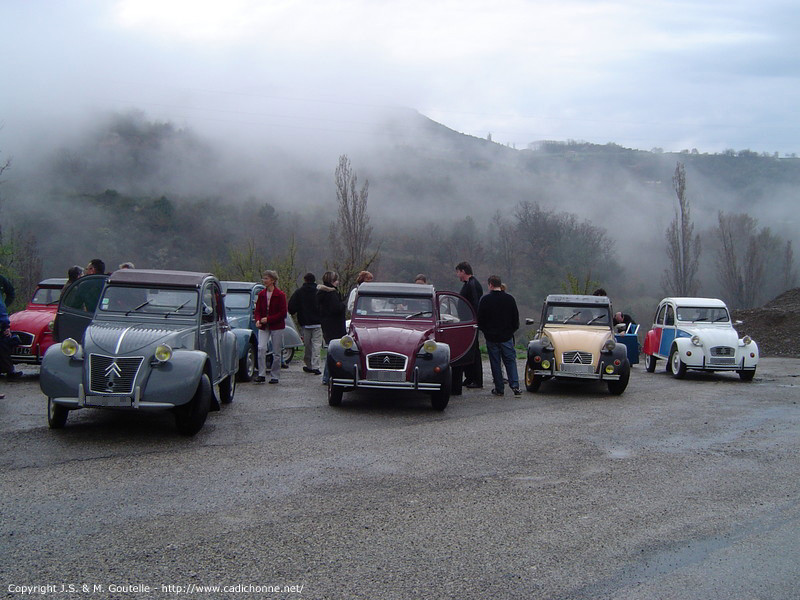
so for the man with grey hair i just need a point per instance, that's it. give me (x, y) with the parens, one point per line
(270, 316)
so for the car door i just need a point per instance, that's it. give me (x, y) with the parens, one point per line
(77, 306)
(456, 323)
(209, 333)
(667, 331)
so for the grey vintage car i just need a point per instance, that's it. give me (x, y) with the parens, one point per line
(240, 302)
(142, 340)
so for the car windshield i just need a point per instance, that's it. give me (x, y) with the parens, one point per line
(705, 314)
(577, 314)
(236, 299)
(143, 300)
(413, 307)
(46, 296)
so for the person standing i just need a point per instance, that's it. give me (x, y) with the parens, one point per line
(498, 319)
(7, 343)
(331, 311)
(7, 291)
(472, 291)
(303, 303)
(270, 316)
(362, 277)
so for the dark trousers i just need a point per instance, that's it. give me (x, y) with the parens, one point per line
(473, 373)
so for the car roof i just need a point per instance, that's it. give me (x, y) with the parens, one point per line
(383, 288)
(238, 285)
(53, 281)
(157, 277)
(577, 299)
(701, 302)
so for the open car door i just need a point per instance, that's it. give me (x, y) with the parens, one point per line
(77, 307)
(456, 323)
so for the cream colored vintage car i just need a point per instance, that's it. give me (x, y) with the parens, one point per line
(575, 340)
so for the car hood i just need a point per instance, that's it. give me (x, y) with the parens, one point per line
(712, 335)
(588, 339)
(117, 338)
(391, 338)
(32, 321)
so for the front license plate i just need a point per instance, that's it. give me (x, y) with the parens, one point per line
(577, 368)
(108, 401)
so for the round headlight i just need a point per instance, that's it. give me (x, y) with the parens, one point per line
(429, 346)
(746, 340)
(696, 340)
(545, 364)
(69, 347)
(609, 369)
(609, 344)
(347, 342)
(163, 353)
(50, 326)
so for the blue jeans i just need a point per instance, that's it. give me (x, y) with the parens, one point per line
(503, 351)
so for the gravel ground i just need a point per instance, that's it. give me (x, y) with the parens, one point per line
(775, 326)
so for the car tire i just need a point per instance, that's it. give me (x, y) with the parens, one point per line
(190, 418)
(335, 394)
(618, 386)
(676, 366)
(532, 382)
(247, 365)
(287, 355)
(56, 415)
(440, 398)
(650, 363)
(227, 389)
(747, 375)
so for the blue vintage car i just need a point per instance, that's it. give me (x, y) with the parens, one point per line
(142, 340)
(240, 302)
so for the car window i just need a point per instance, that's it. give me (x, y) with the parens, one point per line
(129, 299)
(84, 294)
(660, 316)
(209, 305)
(576, 315)
(670, 318)
(703, 314)
(237, 300)
(393, 306)
(454, 309)
(46, 296)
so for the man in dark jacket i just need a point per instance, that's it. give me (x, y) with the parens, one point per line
(472, 291)
(303, 303)
(498, 319)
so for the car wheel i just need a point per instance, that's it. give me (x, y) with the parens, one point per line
(747, 375)
(189, 418)
(227, 389)
(618, 386)
(676, 366)
(56, 415)
(440, 398)
(650, 363)
(247, 365)
(334, 394)
(532, 381)
(287, 355)
(456, 381)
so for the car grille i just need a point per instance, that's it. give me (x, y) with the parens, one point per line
(387, 361)
(581, 358)
(110, 375)
(25, 338)
(722, 351)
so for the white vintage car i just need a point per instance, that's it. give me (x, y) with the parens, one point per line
(697, 333)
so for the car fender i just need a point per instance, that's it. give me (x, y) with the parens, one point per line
(242, 340)
(684, 345)
(650, 343)
(291, 338)
(60, 375)
(744, 357)
(176, 380)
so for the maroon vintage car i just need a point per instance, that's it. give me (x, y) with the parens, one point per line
(34, 325)
(403, 337)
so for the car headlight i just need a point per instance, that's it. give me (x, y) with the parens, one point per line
(50, 326)
(163, 353)
(347, 342)
(429, 346)
(696, 340)
(70, 347)
(609, 345)
(547, 344)
(747, 340)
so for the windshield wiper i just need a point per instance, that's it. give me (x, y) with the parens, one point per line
(572, 316)
(177, 309)
(418, 314)
(142, 305)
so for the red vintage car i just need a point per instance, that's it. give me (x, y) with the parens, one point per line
(34, 325)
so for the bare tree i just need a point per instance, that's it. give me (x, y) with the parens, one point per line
(789, 275)
(351, 236)
(683, 246)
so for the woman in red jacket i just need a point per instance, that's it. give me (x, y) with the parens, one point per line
(270, 317)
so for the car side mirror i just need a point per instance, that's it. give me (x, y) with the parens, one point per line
(529, 321)
(738, 322)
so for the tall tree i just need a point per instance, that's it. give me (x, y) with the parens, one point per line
(351, 235)
(683, 246)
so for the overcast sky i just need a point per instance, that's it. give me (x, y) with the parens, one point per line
(710, 75)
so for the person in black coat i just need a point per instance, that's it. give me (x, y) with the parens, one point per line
(331, 311)
(472, 291)
(305, 305)
(498, 319)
